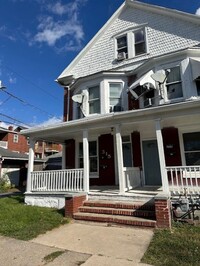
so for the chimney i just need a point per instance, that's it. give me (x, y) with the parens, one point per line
(10, 128)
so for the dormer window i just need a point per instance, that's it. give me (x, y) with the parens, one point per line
(122, 47)
(140, 46)
(131, 44)
(174, 84)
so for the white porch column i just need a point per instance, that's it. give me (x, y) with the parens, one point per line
(63, 156)
(30, 164)
(86, 160)
(161, 157)
(119, 160)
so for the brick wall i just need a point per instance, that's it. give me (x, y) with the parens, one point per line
(163, 211)
(72, 203)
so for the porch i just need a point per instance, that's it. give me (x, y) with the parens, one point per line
(180, 180)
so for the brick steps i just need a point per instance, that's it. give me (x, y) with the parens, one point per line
(123, 220)
(124, 213)
(115, 211)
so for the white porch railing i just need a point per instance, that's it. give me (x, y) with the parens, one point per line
(132, 177)
(184, 179)
(57, 180)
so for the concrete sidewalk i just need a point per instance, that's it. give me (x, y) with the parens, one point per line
(104, 245)
(80, 244)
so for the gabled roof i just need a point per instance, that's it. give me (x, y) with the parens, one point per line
(66, 77)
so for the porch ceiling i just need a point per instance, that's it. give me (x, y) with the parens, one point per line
(179, 114)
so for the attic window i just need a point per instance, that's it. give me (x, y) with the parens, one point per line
(122, 47)
(131, 44)
(140, 46)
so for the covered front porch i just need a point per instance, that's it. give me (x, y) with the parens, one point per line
(149, 162)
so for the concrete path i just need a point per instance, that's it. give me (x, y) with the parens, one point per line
(22, 253)
(104, 245)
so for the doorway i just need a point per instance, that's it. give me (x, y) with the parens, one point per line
(151, 163)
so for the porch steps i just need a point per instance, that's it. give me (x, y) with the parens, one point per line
(134, 214)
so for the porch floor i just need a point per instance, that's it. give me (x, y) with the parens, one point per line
(112, 192)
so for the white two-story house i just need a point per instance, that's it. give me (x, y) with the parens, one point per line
(131, 108)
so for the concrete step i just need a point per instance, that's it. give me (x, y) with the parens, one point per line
(118, 211)
(115, 219)
(121, 205)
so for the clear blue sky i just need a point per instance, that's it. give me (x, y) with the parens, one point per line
(39, 38)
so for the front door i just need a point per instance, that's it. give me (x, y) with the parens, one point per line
(151, 163)
(106, 160)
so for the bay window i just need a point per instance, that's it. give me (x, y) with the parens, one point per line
(115, 97)
(173, 83)
(94, 99)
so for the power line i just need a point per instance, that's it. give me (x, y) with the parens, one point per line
(14, 119)
(26, 103)
(31, 82)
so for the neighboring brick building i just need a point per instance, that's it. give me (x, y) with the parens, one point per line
(12, 140)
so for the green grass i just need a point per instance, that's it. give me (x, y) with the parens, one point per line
(180, 246)
(51, 257)
(24, 222)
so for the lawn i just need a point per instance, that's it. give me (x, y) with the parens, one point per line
(180, 246)
(24, 222)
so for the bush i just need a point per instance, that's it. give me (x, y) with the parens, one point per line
(5, 183)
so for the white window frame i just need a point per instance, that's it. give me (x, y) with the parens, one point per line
(175, 82)
(92, 174)
(163, 89)
(130, 35)
(15, 138)
(111, 107)
(95, 99)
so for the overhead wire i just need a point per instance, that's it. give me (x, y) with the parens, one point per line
(14, 119)
(31, 82)
(26, 103)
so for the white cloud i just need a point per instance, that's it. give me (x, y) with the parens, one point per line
(65, 33)
(50, 121)
(198, 11)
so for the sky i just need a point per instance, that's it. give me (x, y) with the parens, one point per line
(38, 39)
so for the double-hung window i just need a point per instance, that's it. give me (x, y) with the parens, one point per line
(15, 138)
(127, 151)
(192, 148)
(115, 96)
(94, 99)
(174, 84)
(93, 158)
(140, 45)
(122, 46)
(131, 44)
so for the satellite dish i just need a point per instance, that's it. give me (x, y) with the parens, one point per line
(78, 98)
(159, 77)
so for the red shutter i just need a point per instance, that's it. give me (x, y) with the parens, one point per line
(171, 146)
(70, 153)
(136, 149)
